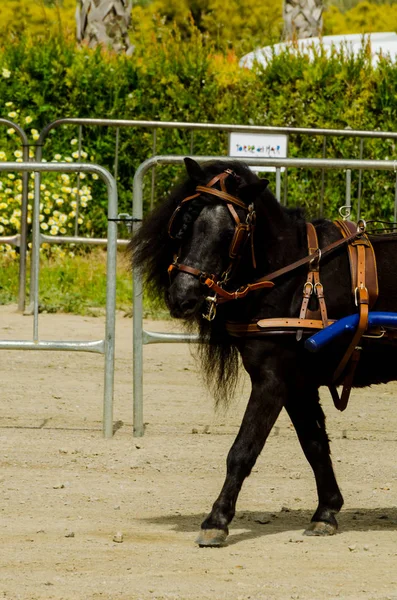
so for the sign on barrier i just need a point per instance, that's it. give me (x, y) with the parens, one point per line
(258, 145)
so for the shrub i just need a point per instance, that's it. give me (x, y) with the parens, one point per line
(179, 77)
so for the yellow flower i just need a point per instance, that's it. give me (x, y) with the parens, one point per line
(12, 114)
(54, 230)
(58, 156)
(3, 155)
(44, 226)
(76, 155)
(6, 73)
(28, 120)
(18, 153)
(62, 230)
(8, 104)
(73, 142)
(95, 176)
(11, 131)
(34, 132)
(11, 176)
(47, 211)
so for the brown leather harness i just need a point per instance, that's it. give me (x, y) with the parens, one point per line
(363, 277)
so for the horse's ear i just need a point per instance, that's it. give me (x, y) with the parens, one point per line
(193, 169)
(249, 191)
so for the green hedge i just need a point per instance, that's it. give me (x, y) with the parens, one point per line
(171, 79)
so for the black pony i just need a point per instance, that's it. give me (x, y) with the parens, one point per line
(198, 240)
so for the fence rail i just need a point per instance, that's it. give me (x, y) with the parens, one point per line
(105, 346)
(193, 127)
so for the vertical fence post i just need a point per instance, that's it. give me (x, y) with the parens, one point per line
(116, 154)
(153, 184)
(348, 199)
(192, 141)
(278, 184)
(23, 248)
(76, 219)
(360, 176)
(286, 177)
(323, 179)
(395, 199)
(137, 312)
(34, 281)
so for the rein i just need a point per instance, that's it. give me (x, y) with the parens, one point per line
(243, 232)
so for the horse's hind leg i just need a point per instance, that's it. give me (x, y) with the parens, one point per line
(266, 400)
(308, 419)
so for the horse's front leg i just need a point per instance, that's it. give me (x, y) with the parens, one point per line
(266, 400)
(308, 419)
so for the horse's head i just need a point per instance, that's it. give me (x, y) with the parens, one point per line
(212, 227)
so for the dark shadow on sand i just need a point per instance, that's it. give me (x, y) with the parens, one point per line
(258, 524)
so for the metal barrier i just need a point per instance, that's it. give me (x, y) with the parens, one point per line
(105, 346)
(140, 336)
(20, 239)
(155, 125)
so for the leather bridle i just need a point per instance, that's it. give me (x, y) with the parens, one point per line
(243, 232)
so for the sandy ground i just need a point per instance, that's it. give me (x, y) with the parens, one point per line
(65, 492)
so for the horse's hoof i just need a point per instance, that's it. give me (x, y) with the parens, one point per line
(211, 538)
(320, 528)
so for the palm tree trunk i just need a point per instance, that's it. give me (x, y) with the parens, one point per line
(104, 22)
(302, 18)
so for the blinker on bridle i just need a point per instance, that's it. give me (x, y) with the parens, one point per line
(242, 233)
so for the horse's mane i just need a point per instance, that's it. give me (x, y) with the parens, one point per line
(153, 251)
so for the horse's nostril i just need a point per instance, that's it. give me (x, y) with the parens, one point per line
(188, 305)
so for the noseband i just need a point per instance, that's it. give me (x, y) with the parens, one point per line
(242, 233)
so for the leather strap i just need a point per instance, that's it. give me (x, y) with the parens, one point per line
(347, 228)
(307, 259)
(363, 271)
(313, 283)
(291, 322)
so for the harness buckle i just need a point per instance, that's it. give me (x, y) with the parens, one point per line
(318, 289)
(361, 226)
(211, 308)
